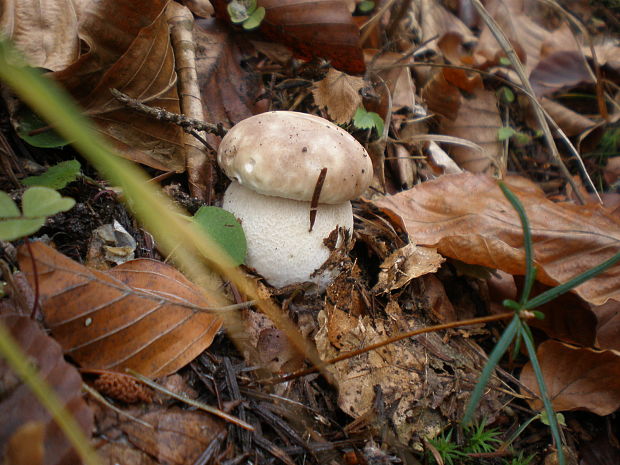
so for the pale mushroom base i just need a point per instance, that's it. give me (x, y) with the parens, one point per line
(280, 248)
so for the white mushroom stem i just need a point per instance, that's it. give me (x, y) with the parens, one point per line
(280, 247)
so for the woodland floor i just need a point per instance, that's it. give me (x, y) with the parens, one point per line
(380, 407)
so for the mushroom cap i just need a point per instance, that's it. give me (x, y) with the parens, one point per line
(282, 153)
(280, 247)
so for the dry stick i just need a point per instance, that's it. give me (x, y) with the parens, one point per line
(518, 67)
(398, 337)
(199, 405)
(189, 125)
(99, 398)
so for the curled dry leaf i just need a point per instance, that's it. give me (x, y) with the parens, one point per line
(130, 50)
(312, 28)
(474, 119)
(576, 378)
(44, 31)
(467, 217)
(405, 264)
(228, 91)
(181, 23)
(23, 417)
(143, 314)
(339, 93)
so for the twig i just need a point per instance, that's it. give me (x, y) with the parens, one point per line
(192, 402)
(398, 337)
(189, 125)
(99, 398)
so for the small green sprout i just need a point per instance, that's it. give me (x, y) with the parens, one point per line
(246, 12)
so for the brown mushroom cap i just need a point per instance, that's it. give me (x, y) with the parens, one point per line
(281, 153)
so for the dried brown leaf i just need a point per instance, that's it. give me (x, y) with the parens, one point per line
(312, 28)
(576, 378)
(433, 20)
(477, 121)
(181, 23)
(405, 264)
(44, 31)
(178, 436)
(130, 50)
(143, 315)
(418, 404)
(608, 328)
(467, 217)
(339, 93)
(441, 96)
(570, 122)
(228, 92)
(25, 422)
(560, 70)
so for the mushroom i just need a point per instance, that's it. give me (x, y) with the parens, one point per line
(277, 161)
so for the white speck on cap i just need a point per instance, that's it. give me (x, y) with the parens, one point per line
(282, 153)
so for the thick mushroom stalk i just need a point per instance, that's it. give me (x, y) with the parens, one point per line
(274, 160)
(280, 246)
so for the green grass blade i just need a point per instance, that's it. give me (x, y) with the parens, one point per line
(498, 351)
(553, 422)
(530, 271)
(552, 293)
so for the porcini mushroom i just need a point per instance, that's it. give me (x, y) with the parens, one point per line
(275, 160)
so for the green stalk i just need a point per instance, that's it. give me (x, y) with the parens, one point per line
(553, 421)
(496, 354)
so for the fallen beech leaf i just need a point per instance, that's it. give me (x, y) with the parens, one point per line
(576, 378)
(21, 411)
(312, 28)
(228, 91)
(130, 50)
(580, 328)
(143, 314)
(433, 20)
(560, 70)
(44, 31)
(477, 121)
(467, 217)
(406, 264)
(339, 93)
(441, 96)
(201, 8)
(572, 123)
(26, 446)
(177, 437)
(608, 329)
(525, 35)
(474, 118)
